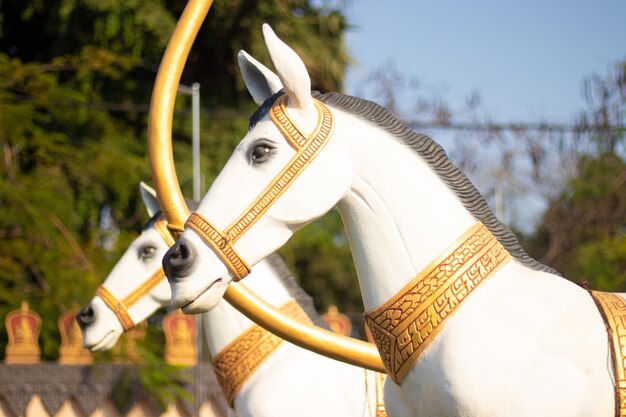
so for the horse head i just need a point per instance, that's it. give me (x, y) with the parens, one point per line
(134, 289)
(263, 194)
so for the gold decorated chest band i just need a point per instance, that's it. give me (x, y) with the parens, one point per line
(236, 363)
(307, 148)
(613, 310)
(408, 323)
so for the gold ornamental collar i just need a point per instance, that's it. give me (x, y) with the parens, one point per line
(236, 363)
(613, 310)
(408, 323)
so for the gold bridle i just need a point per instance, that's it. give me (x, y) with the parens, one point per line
(121, 307)
(173, 205)
(307, 148)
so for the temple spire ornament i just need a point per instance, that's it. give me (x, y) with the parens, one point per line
(23, 328)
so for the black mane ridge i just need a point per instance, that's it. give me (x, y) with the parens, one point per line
(436, 157)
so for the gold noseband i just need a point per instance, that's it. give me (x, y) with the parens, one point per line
(307, 148)
(120, 307)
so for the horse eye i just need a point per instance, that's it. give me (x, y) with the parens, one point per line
(147, 252)
(261, 153)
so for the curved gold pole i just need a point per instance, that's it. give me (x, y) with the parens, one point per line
(172, 203)
(162, 110)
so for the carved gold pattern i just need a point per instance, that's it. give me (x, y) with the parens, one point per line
(278, 114)
(236, 363)
(407, 324)
(613, 309)
(220, 244)
(120, 308)
(307, 149)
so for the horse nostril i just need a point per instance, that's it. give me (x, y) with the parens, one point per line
(179, 261)
(86, 316)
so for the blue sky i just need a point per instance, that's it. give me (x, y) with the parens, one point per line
(527, 59)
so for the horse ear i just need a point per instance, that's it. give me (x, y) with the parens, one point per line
(149, 197)
(293, 74)
(261, 82)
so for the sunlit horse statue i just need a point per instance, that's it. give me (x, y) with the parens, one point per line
(266, 377)
(466, 322)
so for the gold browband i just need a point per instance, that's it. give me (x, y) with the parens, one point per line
(408, 323)
(613, 310)
(120, 308)
(307, 149)
(236, 363)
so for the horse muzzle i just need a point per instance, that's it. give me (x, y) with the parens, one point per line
(179, 261)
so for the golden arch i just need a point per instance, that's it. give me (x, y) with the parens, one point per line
(172, 203)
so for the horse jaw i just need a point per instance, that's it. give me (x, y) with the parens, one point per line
(203, 289)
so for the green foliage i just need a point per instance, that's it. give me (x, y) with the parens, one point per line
(75, 80)
(321, 258)
(602, 262)
(50, 202)
(583, 231)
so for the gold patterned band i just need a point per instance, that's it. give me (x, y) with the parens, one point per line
(407, 324)
(220, 244)
(613, 309)
(236, 363)
(117, 307)
(120, 308)
(307, 148)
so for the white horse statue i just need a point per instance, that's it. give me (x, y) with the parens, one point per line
(260, 374)
(466, 322)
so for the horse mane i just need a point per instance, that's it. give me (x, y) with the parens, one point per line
(305, 301)
(431, 152)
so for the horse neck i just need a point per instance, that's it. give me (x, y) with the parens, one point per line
(399, 215)
(224, 323)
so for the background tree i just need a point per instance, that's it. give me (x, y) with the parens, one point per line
(75, 83)
(577, 170)
(583, 232)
